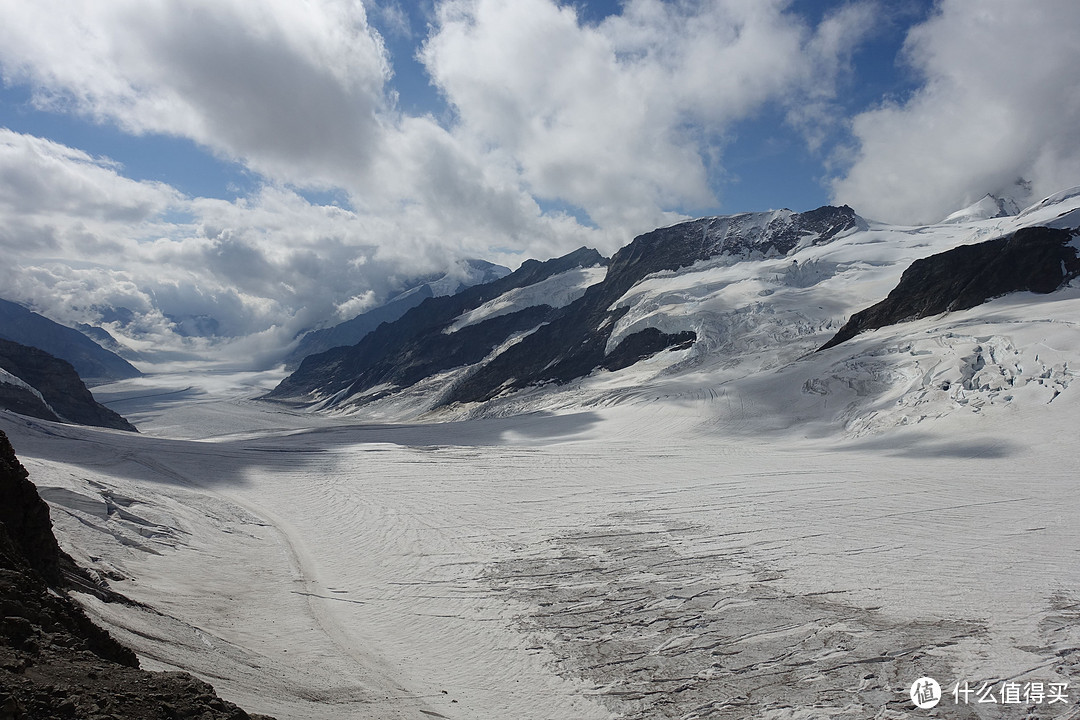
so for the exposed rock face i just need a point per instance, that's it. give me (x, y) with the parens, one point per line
(93, 363)
(26, 519)
(1034, 259)
(25, 516)
(61, 390)
(25, 401)
(552, 344)
(645, 344)
(54, 662)
(574, 343)
(353, 331)
(400, 353)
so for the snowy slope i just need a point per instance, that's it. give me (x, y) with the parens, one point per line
(647, 560)
(555, 292)
(753, 292)
(762, 316)
(465, 274)
(987, 207)
(437, 336)
(539, 337)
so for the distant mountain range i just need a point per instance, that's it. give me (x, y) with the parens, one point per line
(350, 332)
(93, 363)
(736, 294)
(442, 333)
(537, 337)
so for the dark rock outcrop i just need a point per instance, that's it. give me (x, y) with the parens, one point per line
(413, 347)
(54, 662)
(25, 402)
(644, 344)
(62, 390)
(93, 363)
(353, 331)
(1034, 259)
(25, 516)
(565, 343)
(574, 343)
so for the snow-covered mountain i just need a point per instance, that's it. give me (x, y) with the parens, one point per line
(442, 334)
(689, 308)
(94, 363)
(469, 272)
(987, 207)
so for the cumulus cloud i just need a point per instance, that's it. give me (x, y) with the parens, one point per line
(623, 118)
(41, 178)
(292, 89)
(84, 244)
(999, 102)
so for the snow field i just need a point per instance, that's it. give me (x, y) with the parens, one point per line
(626, 561)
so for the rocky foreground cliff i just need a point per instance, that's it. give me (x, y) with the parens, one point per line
(54, 662)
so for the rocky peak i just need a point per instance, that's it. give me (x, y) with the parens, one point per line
(1033, 259)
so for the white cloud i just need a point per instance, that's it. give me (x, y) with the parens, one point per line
(42, 178)
(293, 89)
(1000, 102)
(622, 118)
(296, 91)
(80, 241)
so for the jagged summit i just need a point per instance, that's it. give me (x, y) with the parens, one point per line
(440, 334)
(459, 353)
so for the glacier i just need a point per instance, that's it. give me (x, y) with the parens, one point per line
(742, 528)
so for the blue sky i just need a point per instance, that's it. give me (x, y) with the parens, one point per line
(766, 164)
(284, 164)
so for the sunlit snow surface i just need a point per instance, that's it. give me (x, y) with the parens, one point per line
(556, 291)
(739, 530)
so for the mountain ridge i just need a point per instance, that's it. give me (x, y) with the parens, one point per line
(351, 331)
(48, 387)
(1036, 259)
(557, 344)
(390, 353)
(94, 363)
